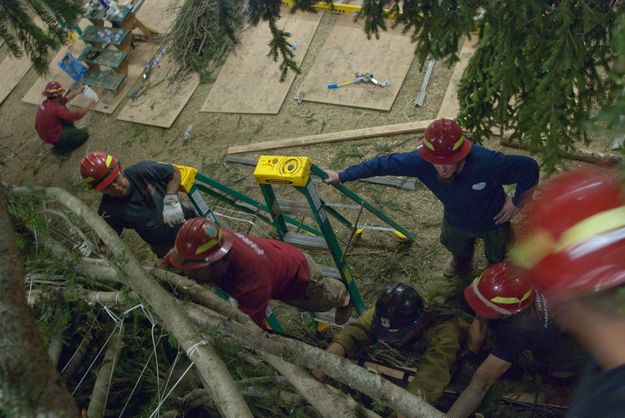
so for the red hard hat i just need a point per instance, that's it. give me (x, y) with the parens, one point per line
(573, 238)
(99, 169)
(53, 89)
(199, 243)
(444, 143)
(501, 290)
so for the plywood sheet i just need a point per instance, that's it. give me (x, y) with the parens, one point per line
(159, 14)
(249, 81)
(348, 51)
(162, 101)
(450, 107)
(108, 99)
(11, 72)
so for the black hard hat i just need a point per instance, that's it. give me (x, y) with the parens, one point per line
(398, 310)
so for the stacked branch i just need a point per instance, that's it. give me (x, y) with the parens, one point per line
(203, 32)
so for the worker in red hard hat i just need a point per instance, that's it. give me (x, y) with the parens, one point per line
(468, 180)
(519, 314)
(573, 246)
(255, 270)
(55, 123)
(143, 197)
(401, 319)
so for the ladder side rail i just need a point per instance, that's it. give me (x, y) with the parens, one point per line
(377, 212)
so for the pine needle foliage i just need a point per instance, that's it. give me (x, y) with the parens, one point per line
(24, 36)
(539, 71)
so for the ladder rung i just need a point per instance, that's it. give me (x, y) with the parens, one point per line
(305, 240)
(328, 271)
(291, 207)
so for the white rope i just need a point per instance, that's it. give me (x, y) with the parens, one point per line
(114, 317)
(158, 380)
(30, 286)
(171, 369)
(121, 328)
(76, 352)
(145, 366)
(96, 357)
(190, 352)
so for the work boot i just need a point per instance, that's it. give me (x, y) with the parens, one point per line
(342, 313)
(456, 267)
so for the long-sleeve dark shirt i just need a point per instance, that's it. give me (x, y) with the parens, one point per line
(474, 197)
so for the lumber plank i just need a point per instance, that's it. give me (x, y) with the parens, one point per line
(351, 135)
(450, 107)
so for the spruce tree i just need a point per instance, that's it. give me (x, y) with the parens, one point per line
(22, 34)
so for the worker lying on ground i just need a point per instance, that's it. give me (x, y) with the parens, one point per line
(401, 319)
(468, 180)
(143, 197)
(254, 270)
(503, 293)
(580, 267)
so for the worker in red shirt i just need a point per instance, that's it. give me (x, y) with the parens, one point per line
(54, 122)
(254, 270)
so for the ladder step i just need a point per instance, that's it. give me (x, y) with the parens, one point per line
(305, 240)
(291, 207)
(328, 271)
(108, 57)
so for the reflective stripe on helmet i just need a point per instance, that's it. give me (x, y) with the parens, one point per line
(513, 300)
(485, 301)
(209, 244)
(428, 144)
(109, 158)
(458, 143)
(541, 244)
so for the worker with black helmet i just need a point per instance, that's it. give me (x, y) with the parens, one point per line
(402, 319)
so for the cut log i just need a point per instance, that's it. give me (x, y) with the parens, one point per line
(593, 157)
(351, 135)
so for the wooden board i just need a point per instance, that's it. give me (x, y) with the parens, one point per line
(108, 99)
(162, 101)
(249, 81)
(11, 72)
(450, 107)
(354, 134)
(348, 51)
(159, 15)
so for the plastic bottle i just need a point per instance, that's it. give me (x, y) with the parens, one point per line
(187, 134)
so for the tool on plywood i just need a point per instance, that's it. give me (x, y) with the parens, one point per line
(361, 78)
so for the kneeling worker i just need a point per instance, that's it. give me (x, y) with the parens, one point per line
(255, 270)
(401, 319)
(503, 293)
(143, 197)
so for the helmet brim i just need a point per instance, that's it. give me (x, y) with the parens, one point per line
(478, 306)
(106, 181)
(459, 155)
(204, 259)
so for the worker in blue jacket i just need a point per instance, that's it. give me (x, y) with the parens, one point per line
(468, 179)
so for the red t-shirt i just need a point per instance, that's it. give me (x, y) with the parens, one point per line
(50, 117)
(263, 269)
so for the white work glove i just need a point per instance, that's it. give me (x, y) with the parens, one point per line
(172, 210)
(84, 249)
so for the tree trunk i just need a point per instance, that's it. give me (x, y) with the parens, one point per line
(593, 157)
(328, 404)
(101, 387)
(339, 368)
(29, 384)
(213, 371)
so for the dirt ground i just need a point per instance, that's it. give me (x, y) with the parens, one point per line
(377, 258)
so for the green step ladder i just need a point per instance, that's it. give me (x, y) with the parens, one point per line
(296, 172)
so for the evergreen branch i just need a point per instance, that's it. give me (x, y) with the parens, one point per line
(279, 45)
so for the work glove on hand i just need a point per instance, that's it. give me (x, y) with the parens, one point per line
(172, 210)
